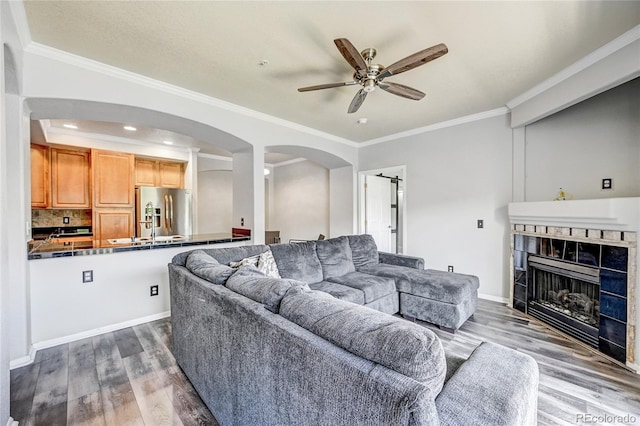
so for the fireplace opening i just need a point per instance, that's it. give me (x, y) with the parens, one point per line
(566, 295)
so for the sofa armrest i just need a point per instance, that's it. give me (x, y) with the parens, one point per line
(495, 386)
(401, 260)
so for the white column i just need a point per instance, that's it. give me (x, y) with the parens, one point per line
(248, 192)
(518, 164)
(191, 182)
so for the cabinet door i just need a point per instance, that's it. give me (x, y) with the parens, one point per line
(171, 175)
(70, 177)
(111, 223)
(40, 181)
(146, 172)
(113, 182)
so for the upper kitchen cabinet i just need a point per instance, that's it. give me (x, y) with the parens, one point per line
(146, 172)
(70, 179)
(113, 179)
(171, 174)
(40, 178)
(165, 174)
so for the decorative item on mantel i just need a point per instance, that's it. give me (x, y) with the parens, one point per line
(563, 195)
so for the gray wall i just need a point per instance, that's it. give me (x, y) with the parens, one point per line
(215, 201)
(576, 148)
(300, 201)
(455, 176)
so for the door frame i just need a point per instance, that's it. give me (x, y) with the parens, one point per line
(401, 171)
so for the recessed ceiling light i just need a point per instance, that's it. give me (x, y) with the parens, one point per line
(362, 120)
(167, 142)
(130, 128)
(70, 126)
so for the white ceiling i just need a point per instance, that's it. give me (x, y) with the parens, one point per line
(497, 51)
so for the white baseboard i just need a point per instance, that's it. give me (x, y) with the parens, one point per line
(493, 298)
(12, 422)
(22, 361)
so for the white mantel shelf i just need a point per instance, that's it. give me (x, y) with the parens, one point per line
(618, 214)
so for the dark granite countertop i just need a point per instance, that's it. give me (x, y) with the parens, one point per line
(47, 250)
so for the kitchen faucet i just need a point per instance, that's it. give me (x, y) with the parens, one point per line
(148, 214)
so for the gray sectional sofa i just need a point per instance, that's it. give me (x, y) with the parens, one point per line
(306, 349)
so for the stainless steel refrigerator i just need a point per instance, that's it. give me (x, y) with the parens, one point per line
(163, 210)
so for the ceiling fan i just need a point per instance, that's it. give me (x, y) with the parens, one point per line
(370, 76)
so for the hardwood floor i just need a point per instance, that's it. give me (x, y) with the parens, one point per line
(129, 377)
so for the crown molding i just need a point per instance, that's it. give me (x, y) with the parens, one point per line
(437, 126)
(286, 163)
(22, 24)
(579, 66)
(99, 67)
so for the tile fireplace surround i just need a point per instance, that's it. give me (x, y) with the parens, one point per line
(607, 222)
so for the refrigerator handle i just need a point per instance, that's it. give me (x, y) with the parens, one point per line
(171, 213)
(166, 212)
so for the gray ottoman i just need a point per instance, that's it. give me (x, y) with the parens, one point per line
(443, 298)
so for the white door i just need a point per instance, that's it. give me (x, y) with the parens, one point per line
(377, 194)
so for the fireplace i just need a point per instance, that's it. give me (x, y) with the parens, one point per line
(566, 296)
(579, 286)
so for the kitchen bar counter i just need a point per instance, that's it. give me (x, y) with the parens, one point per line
(47, 250)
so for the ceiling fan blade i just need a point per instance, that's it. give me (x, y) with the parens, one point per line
(351, 54)
(415, 60)
(358, 99)
(402, 90)
(326, 86)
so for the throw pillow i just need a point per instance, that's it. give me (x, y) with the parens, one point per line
(252, 283)
(252, 260)
(208, 268)
(267, 265)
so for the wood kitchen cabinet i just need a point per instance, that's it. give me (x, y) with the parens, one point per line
(113, 179)
(165, 174)
(112, 223)
(146, 172)
(40, 178)
(171, 174)
(70, 179)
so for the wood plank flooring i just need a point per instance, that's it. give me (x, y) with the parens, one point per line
(129, 377)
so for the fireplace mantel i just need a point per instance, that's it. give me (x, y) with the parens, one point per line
(618, 214)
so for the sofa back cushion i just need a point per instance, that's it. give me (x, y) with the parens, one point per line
(364, 250)
(335, 257)
(298, 261)
(397, 344)
(208, 268)
(254, 284)
(223, 255)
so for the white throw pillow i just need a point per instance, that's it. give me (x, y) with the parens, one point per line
(267, 265)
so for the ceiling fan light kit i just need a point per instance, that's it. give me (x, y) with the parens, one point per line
(370, 76)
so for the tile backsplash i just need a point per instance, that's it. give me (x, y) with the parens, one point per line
(43, 218)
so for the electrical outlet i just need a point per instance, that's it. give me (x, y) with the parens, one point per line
(607, 183)
(87, 276)
(153, 290)
(450, 268)
(242, 221)
(65, 220)
(480, 223)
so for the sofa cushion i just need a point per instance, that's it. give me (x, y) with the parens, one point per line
(263, 261)
(443, 286)
(254, 284)
(397, 344)
(298, 261)
(335, 257)
(340, 291)
(223, 255)
(364, 250)
(372, 286)
(208, 268)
